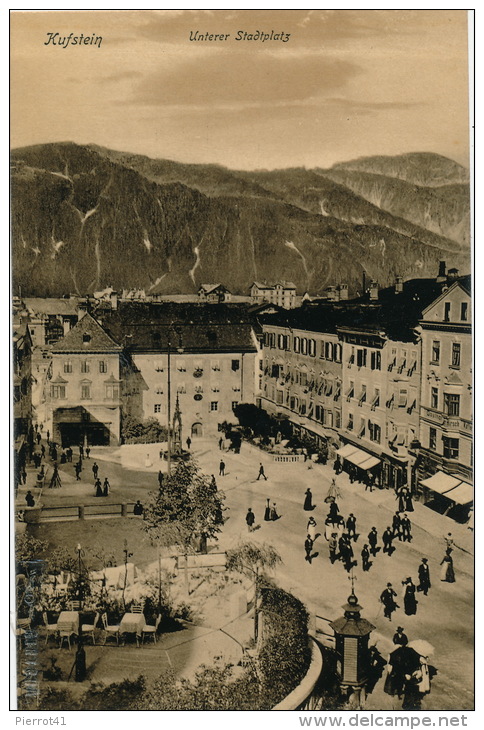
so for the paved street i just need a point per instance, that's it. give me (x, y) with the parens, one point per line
(444, 617)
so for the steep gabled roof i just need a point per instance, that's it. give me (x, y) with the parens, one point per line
(87, 336)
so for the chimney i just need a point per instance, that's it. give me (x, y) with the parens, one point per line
(452, 274)
(441, 275)
(373, 291)
(331, 293)
(398, 285)
(343, 292)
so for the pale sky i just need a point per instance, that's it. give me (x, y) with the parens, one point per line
(348, 83)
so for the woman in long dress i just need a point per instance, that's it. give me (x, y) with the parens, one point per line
(311, 528)
(267, 513)
(409, 600)
(308, 501)
(447, 570)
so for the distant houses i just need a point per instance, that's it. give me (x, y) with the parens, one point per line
(281, 293)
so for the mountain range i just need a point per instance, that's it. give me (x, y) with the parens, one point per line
(86, 217)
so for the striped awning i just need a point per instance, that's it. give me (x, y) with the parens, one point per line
(346, 450)
(463, 493)
(440, 482)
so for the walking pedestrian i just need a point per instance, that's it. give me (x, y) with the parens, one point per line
(373, 540)
(69, 454)
(447, 571)
(333, 512)
(160, 479)
(406, 527)
(348, 554)
(98, 487)
(78, 469)
(106, 487)
(368, 482)
(409, 598)
(449, 541)
(221, 443)
(274, 515)
(23, 475)
(48, 436)
(387, 539)
(250, 519)
(81, 451)
(387, 597)
(39, 438)
(351, 526)
(267, 512)
(333, 547)
(53, 453)
(95, 470)
(401, 498)
(308, 547)
(189, 443)
(221, 469)
(213, 484)
(365, 558)
(396, 526)
(88, 452)
(399, 637)
(261, 472)
(423, 577)
(29, 498)
(308, 501)
(311, 528)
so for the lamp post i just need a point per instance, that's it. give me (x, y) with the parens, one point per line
(179, 350)
(80, 661)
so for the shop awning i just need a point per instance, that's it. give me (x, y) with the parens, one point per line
(462, 494)
(369, 463)
(440, 482)
(362, 459)
(346, 450)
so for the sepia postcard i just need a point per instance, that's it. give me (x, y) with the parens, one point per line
(242, 363)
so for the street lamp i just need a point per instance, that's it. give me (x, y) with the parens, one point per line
(179, 350)
(80, 661)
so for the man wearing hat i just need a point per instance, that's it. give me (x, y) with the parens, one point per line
(388, 599)
(399, 637)
(423, 577)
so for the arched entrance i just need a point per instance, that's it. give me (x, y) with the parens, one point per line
(197, 429)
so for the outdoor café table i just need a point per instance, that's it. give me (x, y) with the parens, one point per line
(68, 621)
(132, 623)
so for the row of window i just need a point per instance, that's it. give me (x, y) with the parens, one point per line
(158, 407)
(86, 366)
(198, 366)
(455, 358)
(304, 346)
(464, 311)
(111, 392)
(367, 429)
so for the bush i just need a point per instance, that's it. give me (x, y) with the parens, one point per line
(142, 432)
(285, 654)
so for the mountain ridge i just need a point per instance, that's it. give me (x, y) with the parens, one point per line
(85, 217)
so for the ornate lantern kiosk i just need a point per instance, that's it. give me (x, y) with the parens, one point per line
(352, 634)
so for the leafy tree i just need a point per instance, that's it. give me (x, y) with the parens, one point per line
(28, 549)
(188, 505)
(253, 560)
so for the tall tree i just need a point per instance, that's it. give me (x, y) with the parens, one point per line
(187, 506)
(253, 560)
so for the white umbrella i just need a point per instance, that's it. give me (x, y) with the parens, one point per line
(422, 647)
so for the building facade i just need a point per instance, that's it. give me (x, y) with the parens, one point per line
(282, 293)
(83, 387)
(446, 402)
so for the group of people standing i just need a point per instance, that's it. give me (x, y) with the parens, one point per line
(270, 515)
